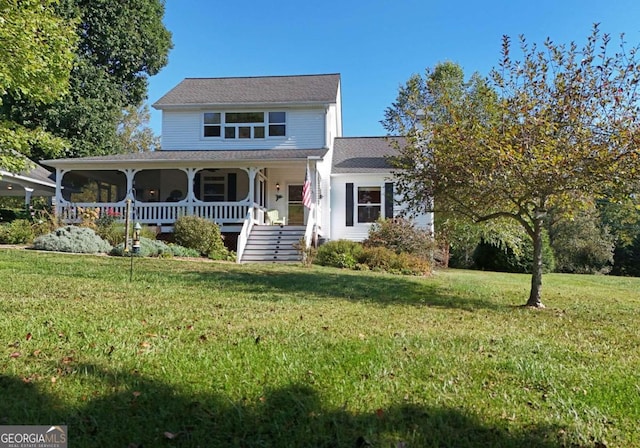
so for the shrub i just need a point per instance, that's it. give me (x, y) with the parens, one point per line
(112, 232)
(401, 236)
(88, 216)
(490, 257)
(202, 235)
(7, 215)
(582, 245)
(44, 221)
(72, 239)
(19, 231)
(308, 254)
(384, 259)
(154, 248)
(339, 254)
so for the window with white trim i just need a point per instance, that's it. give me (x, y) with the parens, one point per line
(212, 124)
(369, 204)
(244, 125)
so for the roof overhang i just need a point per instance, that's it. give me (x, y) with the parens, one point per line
(12, 184)
(241, 106)
(190, 159)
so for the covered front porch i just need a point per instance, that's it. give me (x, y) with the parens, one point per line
(158, 188)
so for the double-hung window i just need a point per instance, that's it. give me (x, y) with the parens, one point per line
(277, 124)
(212, 124)
(369, 203)
(245, 125)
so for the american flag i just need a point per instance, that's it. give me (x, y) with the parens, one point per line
(306, 190)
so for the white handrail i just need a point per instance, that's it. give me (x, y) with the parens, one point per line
(311, 225)
(244, 234)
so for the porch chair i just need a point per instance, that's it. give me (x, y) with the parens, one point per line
(274, 218)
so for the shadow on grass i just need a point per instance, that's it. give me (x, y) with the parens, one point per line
(142, 412)
(266, 282)
(348, 285)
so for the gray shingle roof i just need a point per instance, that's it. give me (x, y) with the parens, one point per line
(363, 154)
(253, 90)
(196, 156)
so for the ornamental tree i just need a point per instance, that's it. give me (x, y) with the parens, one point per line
(542, 131)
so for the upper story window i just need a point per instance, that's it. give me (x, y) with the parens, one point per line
(212, 124)
(245, 125)
(277, 124)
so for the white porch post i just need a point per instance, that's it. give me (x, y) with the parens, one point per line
(130, 173)
(191, 197)
(252, 171)
(59, 174)
(28, 192)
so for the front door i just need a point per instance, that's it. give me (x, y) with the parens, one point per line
(295, 209)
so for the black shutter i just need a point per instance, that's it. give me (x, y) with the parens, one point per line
(349, 202)
(388, 200)
(231, 187)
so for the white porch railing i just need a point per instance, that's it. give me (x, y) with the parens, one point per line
(159, 213)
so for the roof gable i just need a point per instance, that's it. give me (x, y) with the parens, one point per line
(266, 90)
(364, 154)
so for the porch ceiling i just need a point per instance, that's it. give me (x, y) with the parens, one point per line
(190, 158)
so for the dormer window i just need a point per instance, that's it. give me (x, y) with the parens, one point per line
(245, 125)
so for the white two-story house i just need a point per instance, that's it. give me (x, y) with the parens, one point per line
(239, 151)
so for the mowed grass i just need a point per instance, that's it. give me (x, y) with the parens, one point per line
(215, 354)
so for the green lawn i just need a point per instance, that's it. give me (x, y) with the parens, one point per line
(217, 354)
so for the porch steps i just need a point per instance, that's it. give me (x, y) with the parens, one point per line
(273, 244)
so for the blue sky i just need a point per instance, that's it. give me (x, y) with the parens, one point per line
(374, 44)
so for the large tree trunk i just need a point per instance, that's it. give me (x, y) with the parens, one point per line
(536, 268)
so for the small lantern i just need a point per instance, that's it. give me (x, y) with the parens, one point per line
(136, 238)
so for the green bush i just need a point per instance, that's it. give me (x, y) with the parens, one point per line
(19, 231)
(154, 248)
(490, 257)
(582, 245)
(202, 235)
(384, 259)
(401, 236)
(72, 239)
(339, 254)
(112, 232)
(7, 215)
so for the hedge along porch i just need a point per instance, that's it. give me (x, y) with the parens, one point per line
(227, 187)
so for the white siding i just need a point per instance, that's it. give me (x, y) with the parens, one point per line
(182, 130)
(359, 231)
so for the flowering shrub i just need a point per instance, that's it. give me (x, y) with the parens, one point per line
(88, 216)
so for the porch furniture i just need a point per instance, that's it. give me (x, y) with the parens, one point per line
(274, 218)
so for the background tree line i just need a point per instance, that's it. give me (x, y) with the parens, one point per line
(74, 76)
